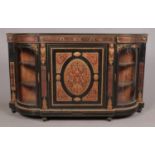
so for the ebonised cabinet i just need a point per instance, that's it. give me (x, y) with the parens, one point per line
(76, 75)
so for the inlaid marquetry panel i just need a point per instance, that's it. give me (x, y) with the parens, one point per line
(93, 59)
(60, 59)
(93, 93)
(61, 94)
(78, 75)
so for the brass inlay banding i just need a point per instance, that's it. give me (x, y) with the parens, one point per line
(44, 104)
(34, 47)
(12, 76)
(43, 54)
(12, 82)
(140, 97)
(110, 82)
(111, 54)
(131, 39)
(77, 109)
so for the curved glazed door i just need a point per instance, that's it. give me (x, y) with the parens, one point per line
(77, 76)
(126, 74)
(27, 75)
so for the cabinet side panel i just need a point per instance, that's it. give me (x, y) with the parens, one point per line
(141, 68)
(12, 72)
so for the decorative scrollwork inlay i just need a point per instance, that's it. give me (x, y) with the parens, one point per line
(43, 54)
(77, 76)
(34, 47)
(44, 104)
(140, 97)
(12, 82)
(43, 75)
(111, 54)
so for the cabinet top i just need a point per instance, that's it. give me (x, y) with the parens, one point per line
(75, 38)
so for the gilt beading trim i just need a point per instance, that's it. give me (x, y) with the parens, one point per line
(12, 82)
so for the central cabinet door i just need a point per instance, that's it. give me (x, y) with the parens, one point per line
(77, 76)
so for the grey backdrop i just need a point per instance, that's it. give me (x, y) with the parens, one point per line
(146, 118)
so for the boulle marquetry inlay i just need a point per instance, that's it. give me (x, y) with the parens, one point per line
(93, 58)
(77, 77)
(60, 60)
(77, 38)
(111, 55)
(61, 95)
(78, 74)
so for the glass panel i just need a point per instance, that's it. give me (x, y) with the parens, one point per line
(27, 76)
(126, 75)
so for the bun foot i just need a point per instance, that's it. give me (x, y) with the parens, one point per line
(139, 110)
(13, 110)
(141, 106)
(44, 119)
(109, 119)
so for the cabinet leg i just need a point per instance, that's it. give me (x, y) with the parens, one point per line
(109, 119)
(139, 110)
(44, 119)
(13, 110)
(12, 107)
(140, 107)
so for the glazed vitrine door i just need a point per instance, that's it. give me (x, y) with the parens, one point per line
(27, 59)
(127, 59)
(77, 75)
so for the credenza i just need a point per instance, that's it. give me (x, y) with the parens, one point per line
(76, 75)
